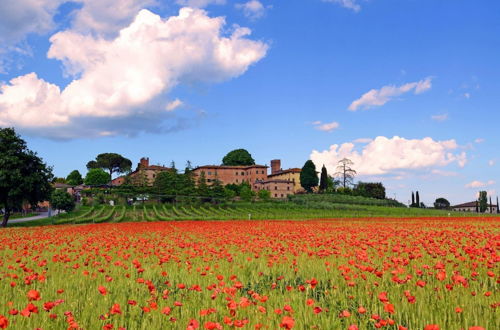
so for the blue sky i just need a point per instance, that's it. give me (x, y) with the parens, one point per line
(407, 89)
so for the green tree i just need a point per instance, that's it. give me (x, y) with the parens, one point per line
(246, 193)
(370, 189)
(202, 188)
(264, 195)
(74, 178)
(412, 199)
(417, 199)
(229, 193)
(58, 180)
(441, 203)
(483, 201)
(323, 181)
(96, 177)
(308, 176)
(217, 190)
(24, 177)
(167, 184)
(113, 163)
(61, 200)
(345, 172)
(238, 157)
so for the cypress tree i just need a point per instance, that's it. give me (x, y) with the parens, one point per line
(308, 177)
(323, 182)
(417, 197)
(477, 207)
(412, 199)
(491, 206)
(498, 209)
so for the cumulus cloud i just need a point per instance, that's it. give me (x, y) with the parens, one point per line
(171, 106)
(126, 77)
(479, 184)
(350, 4)
(252, 9)
(107, 17)
(491, 162)
(326, 127)
(388, 155)
(200, 3)
(442, 117)
(379, 97)
(362, 140)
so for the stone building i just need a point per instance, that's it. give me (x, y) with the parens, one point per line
(291, 174)
(277, 188)
(471, 207)
(144, 175)
(232, 174)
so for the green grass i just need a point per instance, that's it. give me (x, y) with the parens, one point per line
(235, 211)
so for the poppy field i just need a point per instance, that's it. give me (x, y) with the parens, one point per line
(410, 273)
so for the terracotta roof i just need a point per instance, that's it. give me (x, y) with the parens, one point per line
(242, 167)
(290, 170)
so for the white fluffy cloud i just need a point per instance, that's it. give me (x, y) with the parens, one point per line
(326, 127)
(200, 3)
(479, 184)
(351, 4)
(379, 97)
(389, 155)
(106, 17)
(122, 78)
(252, 9)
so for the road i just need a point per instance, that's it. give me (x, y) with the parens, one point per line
(42, 215)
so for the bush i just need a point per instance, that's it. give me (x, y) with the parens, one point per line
(61, 200)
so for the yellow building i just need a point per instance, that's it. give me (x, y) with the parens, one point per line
(291, 174)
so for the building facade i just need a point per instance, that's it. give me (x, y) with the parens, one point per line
(232, 174)
(291, 174)
(144, 175)
(278, 188)
(472, 207)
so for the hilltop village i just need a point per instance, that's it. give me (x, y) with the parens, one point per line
(280, 182)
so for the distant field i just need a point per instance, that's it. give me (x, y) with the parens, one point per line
(237, 211)
(439, 273)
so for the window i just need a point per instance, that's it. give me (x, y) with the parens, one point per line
(209, 180)
(236, 180)
(236, 173)
(242, 173)
(275, 195)
(209, 173)
(281, 195)
(262, 171)
(287, 188)
(275, 187)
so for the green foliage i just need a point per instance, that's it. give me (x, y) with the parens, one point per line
(323, 181)
(229, 193)
(61, 200)
(441, 203)
(58, 180)
(308, 177)
(202, 188)
(74, 178)
(370, 189)
(264, 195)
(24, 177)
(97, 177)
(113, 163)
(246, 193)
(217, 189)
(238, 157)
(483, 201)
